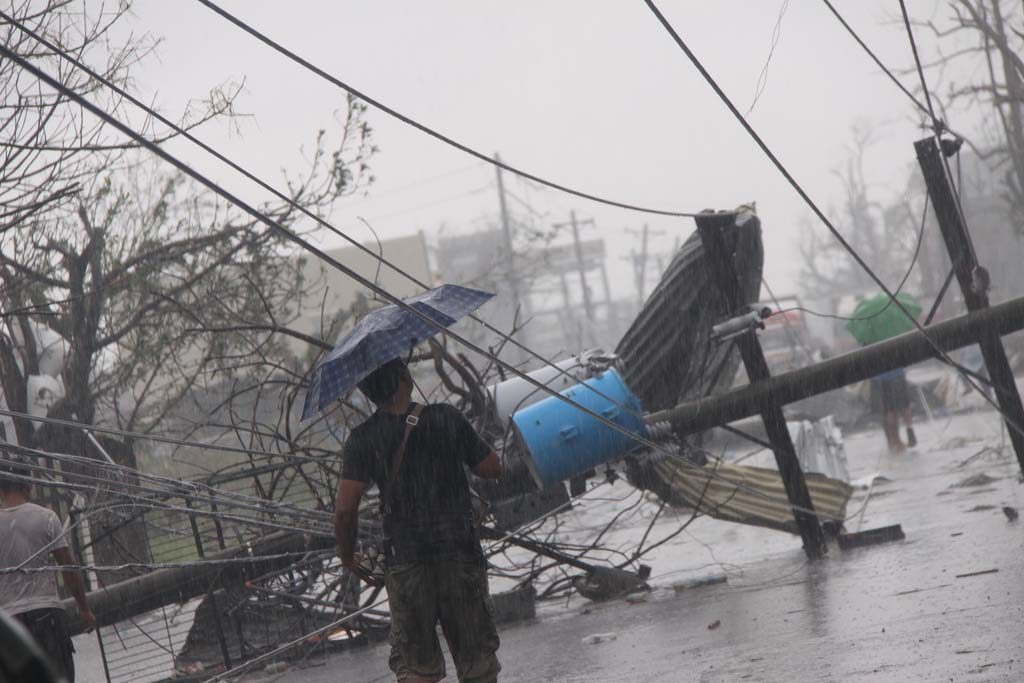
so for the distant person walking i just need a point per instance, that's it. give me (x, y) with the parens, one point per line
(890, 394)
(435, 569)
(29, 536)
(875, 319)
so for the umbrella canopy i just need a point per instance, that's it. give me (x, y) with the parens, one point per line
(382, 335)
(877, 318)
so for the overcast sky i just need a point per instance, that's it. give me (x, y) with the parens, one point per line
(590, 93)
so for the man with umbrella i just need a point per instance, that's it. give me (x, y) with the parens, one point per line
(875, 319)
(435, 570)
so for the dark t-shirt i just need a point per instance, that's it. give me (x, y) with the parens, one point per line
(431, 510)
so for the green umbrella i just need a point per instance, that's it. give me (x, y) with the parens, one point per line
(877, 318)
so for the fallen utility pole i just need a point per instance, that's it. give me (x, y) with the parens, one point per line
(720, 259)
(141, 594)
(974, 283)
(834, 373)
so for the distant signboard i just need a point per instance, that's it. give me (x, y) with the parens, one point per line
(563, 256)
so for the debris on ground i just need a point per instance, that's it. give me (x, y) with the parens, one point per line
(599, 638)
(980, 479)
(700, 582)
(859, 539)
(876, 479)
(977, 573)
(515, 605)
(989, 453)
(976, 492)
(607, 583)
(1010, 512)
(714, 624)
(982, 508)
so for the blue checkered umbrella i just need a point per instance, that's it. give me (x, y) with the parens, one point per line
(381, 335)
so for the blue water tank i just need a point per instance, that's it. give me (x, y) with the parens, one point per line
(563, 441)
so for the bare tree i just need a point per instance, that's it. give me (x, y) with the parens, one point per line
(883, 231)
(986, 37)
(49, 145)
(155, 286)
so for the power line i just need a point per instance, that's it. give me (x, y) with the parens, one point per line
(228, 561)
(888, 72)
(288, 234)
(903, 281)
(764, 147)
(348, 617)
(937, 126)
(875, 58)
(920, 69)
(814, 207)
(194, 490)
(277, 193)
(266, 40)
(155, 149)
(762, 78)
(246, 207)
(153, 437)
(794, 335)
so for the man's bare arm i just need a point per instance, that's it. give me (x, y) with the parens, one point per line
(346, 518)
(73, 582)
(489, 467)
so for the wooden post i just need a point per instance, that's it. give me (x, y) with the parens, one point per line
(973, 280)
(720, 261)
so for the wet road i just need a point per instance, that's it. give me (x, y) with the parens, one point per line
(905, 611)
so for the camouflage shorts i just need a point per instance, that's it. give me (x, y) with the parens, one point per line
(454, 593)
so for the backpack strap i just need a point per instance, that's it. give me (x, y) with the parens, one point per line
(412, 418)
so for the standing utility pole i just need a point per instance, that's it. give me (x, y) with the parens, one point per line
(611, 312)
(506, 229)
(641, 276)
(720, 261)
(974, 281)
(510, 259)
(640, 261)
(581, 267)
(588, 305)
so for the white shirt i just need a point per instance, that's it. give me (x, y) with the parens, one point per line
(25, 530)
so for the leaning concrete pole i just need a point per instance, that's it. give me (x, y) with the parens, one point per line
(974, 282)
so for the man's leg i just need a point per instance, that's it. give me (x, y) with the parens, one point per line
(891, 409)
(467, 618)
(415, 651)
(906, 410)
(891, 422)
(908, 420)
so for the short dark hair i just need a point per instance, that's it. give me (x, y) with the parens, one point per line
(382, 383)
(8, 482)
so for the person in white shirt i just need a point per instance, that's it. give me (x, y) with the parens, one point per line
(29, 536)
